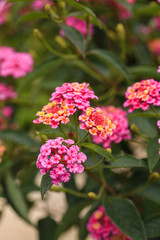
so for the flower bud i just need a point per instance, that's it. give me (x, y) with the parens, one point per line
(48, 9)
(109, 150)
(92, 195)
(120, 31)
(62, 43)
(154, 177)
(38, 34)
(134, 128)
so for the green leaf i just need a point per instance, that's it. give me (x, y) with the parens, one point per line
(101, 151)
(41, 69)
(54, 132)
(88, 11)
(75, 37)
(70, 217)
(111, 59)
(152, 193)
(153, 153)
(148, 10)
(46, 227)
(32, 16)
(15, 197)
(145, 126)
(144, 71)
(125, 215)
(46, 184)
(19, 137)
(126, 161)
(152, 227)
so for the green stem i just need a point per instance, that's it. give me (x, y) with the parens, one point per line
(76, 126)
(62, 130)
(100, 182)
(68, 190)
(85, 136)
(50, 49)
(101, 191)
(96, 165)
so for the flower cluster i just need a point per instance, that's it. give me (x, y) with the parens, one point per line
(154, 46)
(6, 92)
(75, 93)
(101, 227)
(96, 122)
(78, 24)
(60, 157)
(16, 64)
(64, 102)
(55, 113)
(142, 94)
(4, 10)
(39, 4)
(121, 131)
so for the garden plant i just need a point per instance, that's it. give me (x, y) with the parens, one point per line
(80, 110)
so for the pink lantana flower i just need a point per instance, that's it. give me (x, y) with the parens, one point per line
(78, 24)
(101, 227)
(121, 132)
(6, 92)
(60, 158)
(39, 4)
(142, 95)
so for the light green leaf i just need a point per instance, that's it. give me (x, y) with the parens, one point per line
(46, 184)
(126, 161)
(75, 37)
(101, 151)
(111, 59)
(153, 153)
(147, 9)
(40, 70)
(144, 71)
(32, 16)
(152, 193)
(125, 215)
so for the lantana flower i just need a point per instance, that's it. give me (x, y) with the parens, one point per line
(64, 102)
(6, 92)
(101, 227)
(15, 64)
(154, 46)
(4, 10)
(121, 132)
(142, 95)
(98, 124)
(60, 158)
(39, 4)
(79, 25)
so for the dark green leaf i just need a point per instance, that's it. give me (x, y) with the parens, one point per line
(152, 227)
(19, 137)
(82, 226)
(126, 161)
(75, 37)
(153, 153)
(111, 59)
(32, 16)
(15, 197)
(152, 193)
(145, 126)
(70, 217)
(125, 215)
(101, 151)
(46, 184)
(46, 227)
